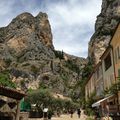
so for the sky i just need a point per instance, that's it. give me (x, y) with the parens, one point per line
(72, 21)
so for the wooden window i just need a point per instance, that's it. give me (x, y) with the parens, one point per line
(108, 62)
(118, 53)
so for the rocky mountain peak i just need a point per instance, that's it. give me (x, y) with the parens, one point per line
(24, 15)
(105, 26)
(26, 37)
(42, 15)
(26, 24)
(27, 52)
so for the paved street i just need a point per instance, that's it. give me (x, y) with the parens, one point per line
(67, 117)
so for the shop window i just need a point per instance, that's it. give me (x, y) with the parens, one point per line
(108, 62)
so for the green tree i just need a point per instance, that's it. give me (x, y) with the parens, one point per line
(44, 98)
(59, 54)
(40, 96)
(72, 66)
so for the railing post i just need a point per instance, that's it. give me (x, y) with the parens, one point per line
(18, 111)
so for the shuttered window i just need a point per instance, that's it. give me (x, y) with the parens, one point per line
(108, 62)
(119, 52)
(115, 53)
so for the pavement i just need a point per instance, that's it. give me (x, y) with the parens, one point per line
(67, 117)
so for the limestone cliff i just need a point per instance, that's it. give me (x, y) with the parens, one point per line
(105, 26)
(27, 51)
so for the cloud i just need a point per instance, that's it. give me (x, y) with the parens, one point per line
(73, 24)
(72, 21)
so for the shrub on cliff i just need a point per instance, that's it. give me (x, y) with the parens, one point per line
(5, 80)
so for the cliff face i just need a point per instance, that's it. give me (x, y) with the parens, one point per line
(26, 37)
(27, 51)
(105, 26)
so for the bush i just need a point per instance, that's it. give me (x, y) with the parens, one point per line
(89, 112)
(5, 80)
(8, 61)
(113, 89)
(88, 107)
(34, 69)
(22, 83)
(72, 66)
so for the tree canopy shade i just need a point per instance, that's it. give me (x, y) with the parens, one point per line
(44, 99)
(40, 96)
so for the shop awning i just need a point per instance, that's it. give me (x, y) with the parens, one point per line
(100, 101)
(11, 93)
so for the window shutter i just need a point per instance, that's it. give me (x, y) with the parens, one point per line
(115, 53)
(118, 72)
(119, 52)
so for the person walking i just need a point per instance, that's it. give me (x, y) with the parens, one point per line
(71, 113)
(78, 112)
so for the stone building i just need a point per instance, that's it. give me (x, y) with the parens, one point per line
(110, 65)
(90, 87)
(115, 43)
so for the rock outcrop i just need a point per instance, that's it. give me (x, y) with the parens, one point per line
(27, 51)
(105, 26)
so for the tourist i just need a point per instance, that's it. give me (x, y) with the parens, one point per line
(78, 112)
(71, 113)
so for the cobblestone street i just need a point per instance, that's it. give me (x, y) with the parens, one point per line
(67, 117)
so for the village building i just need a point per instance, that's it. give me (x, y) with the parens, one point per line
(108, 68)
(90, 87)
(95, 83)
(110, 61)
(99, 83)
(109, 79)
(115, 43)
